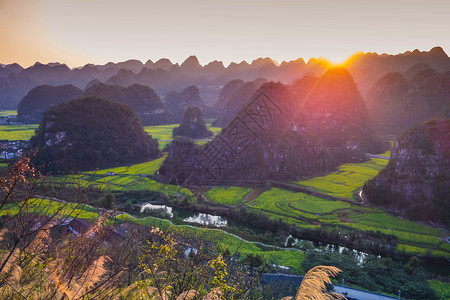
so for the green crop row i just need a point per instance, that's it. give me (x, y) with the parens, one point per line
(390, 222)
(411, 249)
(287, 202)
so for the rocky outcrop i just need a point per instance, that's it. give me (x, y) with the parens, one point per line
(278, 136)
(227, 90)
(417, 177)
(192, 125)
(142, 99)
(41, 98)
(335, 113)
(178, 102)
(398, 102)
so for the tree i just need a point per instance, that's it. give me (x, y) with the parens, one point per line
(108, 201)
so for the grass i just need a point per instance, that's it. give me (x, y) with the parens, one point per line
(445, 246)
(383, 220)
(411, 249)
(442, 289)
(147, 168)
(127, 178)
(50, 207)
(231, 195)
(403, 236)
(347, 180)
(161, 132)
(17, 132)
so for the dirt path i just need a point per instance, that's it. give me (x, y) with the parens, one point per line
(255, 193)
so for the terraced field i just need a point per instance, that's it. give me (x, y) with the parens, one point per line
(347, 180)
(147, 168)
(293, 204)
(306, 210)
(126, 178)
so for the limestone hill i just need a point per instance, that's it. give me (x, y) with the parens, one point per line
(41, 98)
(88, 133)
(278, 136)
(417, 178)
(398, 101)
(142, 99)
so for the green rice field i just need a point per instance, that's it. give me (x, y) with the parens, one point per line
(147, 168)
(17, 132)
(291, 203)
(346, 181)
(230, 195)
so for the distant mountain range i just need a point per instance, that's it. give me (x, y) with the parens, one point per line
(399, 101)
(163, 76)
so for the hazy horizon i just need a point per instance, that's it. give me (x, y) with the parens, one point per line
(206, 62)
(100, 31)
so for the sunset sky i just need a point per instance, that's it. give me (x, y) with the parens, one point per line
(82, 31)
